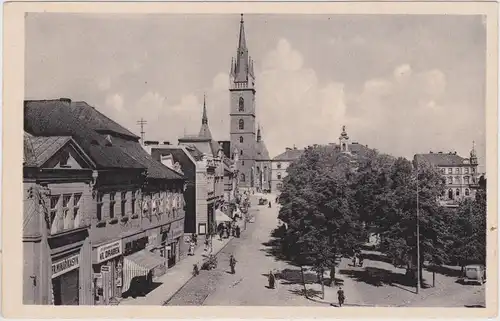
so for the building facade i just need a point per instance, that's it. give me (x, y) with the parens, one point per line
(136, 211)
(243, 128)
(460, 174)
(58, 178)
(279, 164)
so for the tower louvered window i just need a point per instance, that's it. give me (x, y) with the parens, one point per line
(241, 139)
(241, 124)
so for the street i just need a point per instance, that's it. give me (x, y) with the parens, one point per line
(377, 283)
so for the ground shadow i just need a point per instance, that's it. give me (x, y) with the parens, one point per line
(379, 277)
(273, 249)
(377, 257)
(309, 293)
(289, 276)
(138, 289)
(444, 270)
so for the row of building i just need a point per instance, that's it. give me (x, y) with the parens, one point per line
(101, 214)
(460, 174)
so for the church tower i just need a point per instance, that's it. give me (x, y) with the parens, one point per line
(344, 141)
(242, 110)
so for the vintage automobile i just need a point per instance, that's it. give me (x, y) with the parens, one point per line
(474, 274)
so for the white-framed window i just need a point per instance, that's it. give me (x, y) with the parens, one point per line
(112, 204)
(466, 170)
(278, 175)
(67, 214)
(443, 171)
(457, 192)
(99, 203)
(76, 209)
(466, 179)
(467, 192)
(241, 139)
(450, 170)
(54, 202)
(123, 203)
(450, 180)
(457, 179)
(457, 170)
(241, 124)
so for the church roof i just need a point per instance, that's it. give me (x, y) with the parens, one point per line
(262, 152)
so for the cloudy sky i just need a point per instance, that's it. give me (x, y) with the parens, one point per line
(403, 84)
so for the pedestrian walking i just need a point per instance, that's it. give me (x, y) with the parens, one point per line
(207, 243)
(195, 239)
(196, 271)
(271, 279)
(341, 296)
(191, 248)
(232, 264)
(238, 231)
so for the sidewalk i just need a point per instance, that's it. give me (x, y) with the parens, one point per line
(176, 277)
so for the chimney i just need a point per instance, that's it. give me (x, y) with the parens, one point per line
(150, 142)
(288, 148)
(66, 101)
(166, 143)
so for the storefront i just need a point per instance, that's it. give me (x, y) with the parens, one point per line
(108, 273)
(141, 264)
(65, 279)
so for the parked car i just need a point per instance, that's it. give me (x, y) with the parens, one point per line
(474, 274)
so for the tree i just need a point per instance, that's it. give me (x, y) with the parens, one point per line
(397, 216)
(468, 230)
(319, 210)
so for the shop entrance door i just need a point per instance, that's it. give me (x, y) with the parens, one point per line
(66, 288)
(171, 255)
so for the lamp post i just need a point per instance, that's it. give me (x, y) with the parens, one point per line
(418, 240)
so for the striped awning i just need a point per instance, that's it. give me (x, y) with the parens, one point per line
(139, 264)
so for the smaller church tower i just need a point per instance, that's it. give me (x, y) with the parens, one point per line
(473, 155)
(344, 141)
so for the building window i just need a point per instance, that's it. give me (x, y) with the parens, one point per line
(457, 192)
(67, 215)
(76, 209)
(467, 192)
(466, 179)
(132, 203)
(279, 175)
(99, 207)
(241, 124)
(112, 205)
(473, 170)
(443, 171)
(279, 186)
(457, 179)
(466, 170)
(242, 177)
(54, 200)
(278, 165)
(241, 152)
(450, 180)
(242, 163)
(123, 202)
(241, 139)
(241, 104)
(450, 194)
(457, 170)
(450, 170)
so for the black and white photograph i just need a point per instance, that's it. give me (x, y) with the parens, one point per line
(248, 159)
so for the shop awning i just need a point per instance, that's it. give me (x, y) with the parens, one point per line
(221, 217)
(139, 264)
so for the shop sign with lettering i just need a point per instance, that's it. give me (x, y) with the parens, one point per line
(65, 265)
(109, 251)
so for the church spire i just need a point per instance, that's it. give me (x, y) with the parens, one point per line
(205, 130)
(241, 68)
(204, 118)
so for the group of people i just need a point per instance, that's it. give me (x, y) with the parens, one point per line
(192, 244)
(228, 229)
(357, 259)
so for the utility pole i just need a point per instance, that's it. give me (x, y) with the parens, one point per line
(141, 123)
(418, 240)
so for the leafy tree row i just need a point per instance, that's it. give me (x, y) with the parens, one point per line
(330, 204)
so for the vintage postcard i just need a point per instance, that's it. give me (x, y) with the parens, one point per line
(250, 159)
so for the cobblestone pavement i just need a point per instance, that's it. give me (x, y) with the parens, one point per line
(377, 283)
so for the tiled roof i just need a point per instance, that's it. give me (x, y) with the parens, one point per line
(29, 158)
(98, 121)
(289, 155)
(57, 118)
(440, 159)
(155, 169)
(262, 153)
